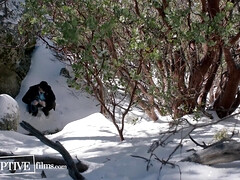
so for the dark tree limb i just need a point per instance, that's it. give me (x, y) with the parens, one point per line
(72, 169)
(195, 142)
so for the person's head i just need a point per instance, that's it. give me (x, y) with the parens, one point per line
(43, 86)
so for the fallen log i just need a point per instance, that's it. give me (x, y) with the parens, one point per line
(72, 168)
(221, 152)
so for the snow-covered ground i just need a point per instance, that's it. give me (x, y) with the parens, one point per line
(92, 138)
(71, 104)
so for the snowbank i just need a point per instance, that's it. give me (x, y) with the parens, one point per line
(9, 113)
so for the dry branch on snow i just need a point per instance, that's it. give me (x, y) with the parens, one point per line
(72, 168)
(220, 152)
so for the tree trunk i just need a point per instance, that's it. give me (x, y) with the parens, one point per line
(227, 101)
(201, 71)
(222, 152)
(208, 84)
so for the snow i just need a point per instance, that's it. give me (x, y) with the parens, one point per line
(70, 102)
(93, 139)
(15, 8)
(8, 106)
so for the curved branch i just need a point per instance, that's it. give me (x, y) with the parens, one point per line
(72, 169)
(204, 146)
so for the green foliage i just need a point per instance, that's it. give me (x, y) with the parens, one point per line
(135, 120)
(221, 134)
(109, 41)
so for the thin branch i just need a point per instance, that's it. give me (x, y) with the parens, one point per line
(165, 139)
(195, 142)
(135, 156)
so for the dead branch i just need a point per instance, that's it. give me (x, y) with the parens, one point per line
(72, 168)
(221, 152)
(204, 146)
(166, 136)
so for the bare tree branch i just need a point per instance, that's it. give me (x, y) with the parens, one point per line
(72, 169)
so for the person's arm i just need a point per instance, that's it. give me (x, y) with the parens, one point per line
(51, 96)
(27, 98)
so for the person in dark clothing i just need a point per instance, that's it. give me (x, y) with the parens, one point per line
(40, 96)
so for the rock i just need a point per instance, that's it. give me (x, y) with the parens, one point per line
(13, 72)
(64, 72)
(9, 113)
(16, 48)
(9, 81)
